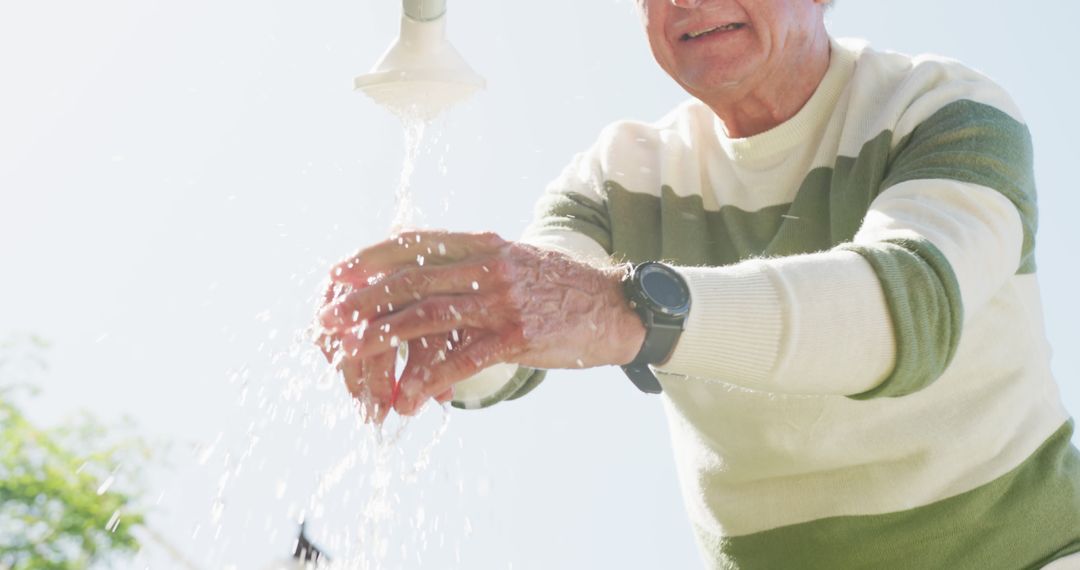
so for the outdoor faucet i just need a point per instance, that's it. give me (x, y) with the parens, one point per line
(421, 74)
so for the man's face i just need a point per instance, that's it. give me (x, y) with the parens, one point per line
(721, 48)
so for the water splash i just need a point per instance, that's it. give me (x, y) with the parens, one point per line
(361, 488)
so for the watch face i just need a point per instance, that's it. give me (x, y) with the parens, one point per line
(664, 289)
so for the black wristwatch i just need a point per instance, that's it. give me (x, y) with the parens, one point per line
(661, 297)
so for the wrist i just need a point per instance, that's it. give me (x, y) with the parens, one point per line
(627, 333)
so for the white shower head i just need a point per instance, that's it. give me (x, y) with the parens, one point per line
(421, 74)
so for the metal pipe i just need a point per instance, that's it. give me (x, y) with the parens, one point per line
(424, 10)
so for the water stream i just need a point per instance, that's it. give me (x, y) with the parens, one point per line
(391, 468)
(367, 496)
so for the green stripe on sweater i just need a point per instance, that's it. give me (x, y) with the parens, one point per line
(978, 144)
(575, 212)
(1009, 523)
(927, 314)
(964, 141)
(680, 230)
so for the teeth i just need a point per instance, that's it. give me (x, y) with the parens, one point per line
(725, 28)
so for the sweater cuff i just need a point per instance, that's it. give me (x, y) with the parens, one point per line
(734, 328)
(805, 324)
(495, 384)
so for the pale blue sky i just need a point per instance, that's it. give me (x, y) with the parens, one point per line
(174, 177)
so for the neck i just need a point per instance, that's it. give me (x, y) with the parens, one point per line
(778, 96)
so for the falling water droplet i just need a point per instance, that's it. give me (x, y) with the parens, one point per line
(217, 509)
(104, 488)
(114, 521)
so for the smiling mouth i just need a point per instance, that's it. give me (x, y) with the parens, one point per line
(725, 28)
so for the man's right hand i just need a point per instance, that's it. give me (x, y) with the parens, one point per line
(464, 302)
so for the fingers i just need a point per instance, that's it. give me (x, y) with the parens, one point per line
(445, 396)
(371, 382)
(404, 288)
(382, 384)
(328, 344)
(429, 282)
(432, 317)
(327, 341)
(435, 378)
(423, 352)
(353, 372)
(332, 291)
(412, 248)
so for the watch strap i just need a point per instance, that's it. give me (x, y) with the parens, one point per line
(642, 376)
(661, 335)
(660, 339)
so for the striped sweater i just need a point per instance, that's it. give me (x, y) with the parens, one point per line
(864, 379)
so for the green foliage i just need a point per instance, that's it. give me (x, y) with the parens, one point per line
(60, 503)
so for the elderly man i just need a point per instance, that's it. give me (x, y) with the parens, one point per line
(824, 260)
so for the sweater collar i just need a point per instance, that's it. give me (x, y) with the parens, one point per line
(814, 114)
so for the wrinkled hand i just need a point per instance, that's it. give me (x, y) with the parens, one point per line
(463, 302)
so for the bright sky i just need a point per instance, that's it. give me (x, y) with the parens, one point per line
(175, 177)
